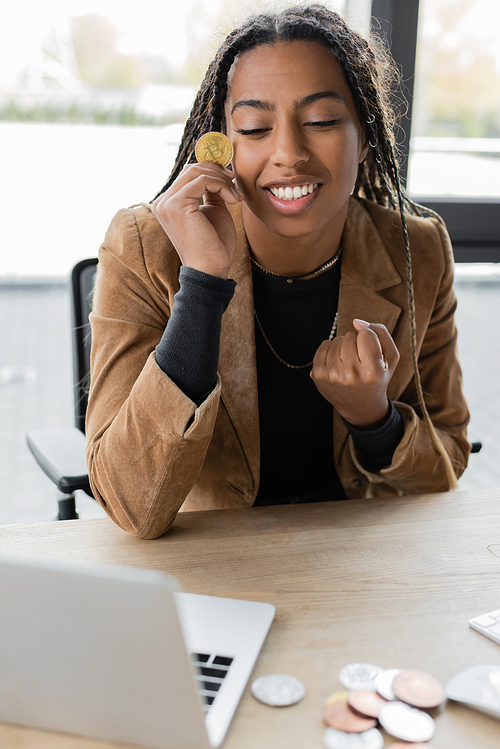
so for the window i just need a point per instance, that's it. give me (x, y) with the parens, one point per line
(455, 129)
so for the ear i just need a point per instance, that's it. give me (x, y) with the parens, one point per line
(363, 152)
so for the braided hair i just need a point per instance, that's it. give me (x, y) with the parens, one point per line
(370, 73)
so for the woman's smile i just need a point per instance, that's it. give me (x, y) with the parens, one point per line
(292, 198)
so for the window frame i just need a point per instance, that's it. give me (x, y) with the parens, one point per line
(473, 223)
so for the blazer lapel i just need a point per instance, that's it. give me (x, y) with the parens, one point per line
(237, 358)
(367, 269)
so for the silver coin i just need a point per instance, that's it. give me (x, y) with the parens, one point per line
(405, 722)
(371, 739)
(383, 683)
(359, 676)
(278, 690)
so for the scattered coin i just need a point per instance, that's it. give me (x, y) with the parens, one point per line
(405, 722)
(383, 683)
(278, 690)
(336, 697)
(418, 689)
(365, 702)
(359, 676)
(371, 739)
(340, 716)
(214, 147)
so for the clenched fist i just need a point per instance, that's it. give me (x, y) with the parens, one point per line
(353, 373)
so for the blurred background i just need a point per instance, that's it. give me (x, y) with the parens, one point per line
(93, 97)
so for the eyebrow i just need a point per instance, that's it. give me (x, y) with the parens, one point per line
(313, 98)
(297, 104)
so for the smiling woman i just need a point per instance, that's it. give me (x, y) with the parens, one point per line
(254, 340)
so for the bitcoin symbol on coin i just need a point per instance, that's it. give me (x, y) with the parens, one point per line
(214, 151)
(215, 147)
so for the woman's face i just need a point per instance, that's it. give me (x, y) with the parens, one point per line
(295, 130)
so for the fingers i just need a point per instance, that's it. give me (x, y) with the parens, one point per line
(348, 348)
(212, 189)
(375, 342)
(353, 373)
(320, 357)
(209, 175)
(194, 215)
(208, 181)
(342, 350)
(365, 355)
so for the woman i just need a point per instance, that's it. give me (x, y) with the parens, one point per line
(295, 360)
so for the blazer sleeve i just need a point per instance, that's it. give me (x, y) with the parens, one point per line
(146, 440)
(417, 466)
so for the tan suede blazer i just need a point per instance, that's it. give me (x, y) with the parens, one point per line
(151, 450)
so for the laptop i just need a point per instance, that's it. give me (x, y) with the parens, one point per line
(119, 653)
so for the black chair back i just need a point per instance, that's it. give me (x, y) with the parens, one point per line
(83, 277)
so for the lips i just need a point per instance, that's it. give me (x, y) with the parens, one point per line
(295, 200)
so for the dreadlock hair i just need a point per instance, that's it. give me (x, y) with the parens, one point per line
(369, 72)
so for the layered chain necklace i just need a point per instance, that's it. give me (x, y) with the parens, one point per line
(290, 279)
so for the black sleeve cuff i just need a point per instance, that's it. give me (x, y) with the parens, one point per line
(195, 278)
(378, 445)
(189, 348)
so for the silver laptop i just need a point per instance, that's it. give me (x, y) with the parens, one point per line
(117, 653)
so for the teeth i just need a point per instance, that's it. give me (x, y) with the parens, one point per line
(292, 193)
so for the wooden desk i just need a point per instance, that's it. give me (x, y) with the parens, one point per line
(391, 582)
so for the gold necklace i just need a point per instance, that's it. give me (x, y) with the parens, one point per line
(294, 366)
(291, 279)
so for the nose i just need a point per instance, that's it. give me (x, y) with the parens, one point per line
(290, 150)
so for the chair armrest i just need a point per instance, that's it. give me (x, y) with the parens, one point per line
(60, 453)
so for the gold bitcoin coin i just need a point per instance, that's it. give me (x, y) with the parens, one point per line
(214, 147)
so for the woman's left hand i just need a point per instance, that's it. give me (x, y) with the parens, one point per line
(353, 372)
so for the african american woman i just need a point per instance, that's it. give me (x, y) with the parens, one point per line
(280, 330)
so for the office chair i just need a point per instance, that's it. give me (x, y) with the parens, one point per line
(60, 451)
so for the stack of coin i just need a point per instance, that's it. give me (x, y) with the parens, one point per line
(392, 698)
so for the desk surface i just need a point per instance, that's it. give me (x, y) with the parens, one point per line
(387, 581)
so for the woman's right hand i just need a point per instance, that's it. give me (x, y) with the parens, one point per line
(203, 235)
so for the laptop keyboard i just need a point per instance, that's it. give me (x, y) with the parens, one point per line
(211, 670)
(488, 624)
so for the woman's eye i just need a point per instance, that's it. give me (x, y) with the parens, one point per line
(323, 123)
(254, 131)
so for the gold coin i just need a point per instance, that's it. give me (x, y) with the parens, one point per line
(215, 147)
(337, 697)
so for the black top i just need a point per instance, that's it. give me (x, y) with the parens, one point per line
(296, 422)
